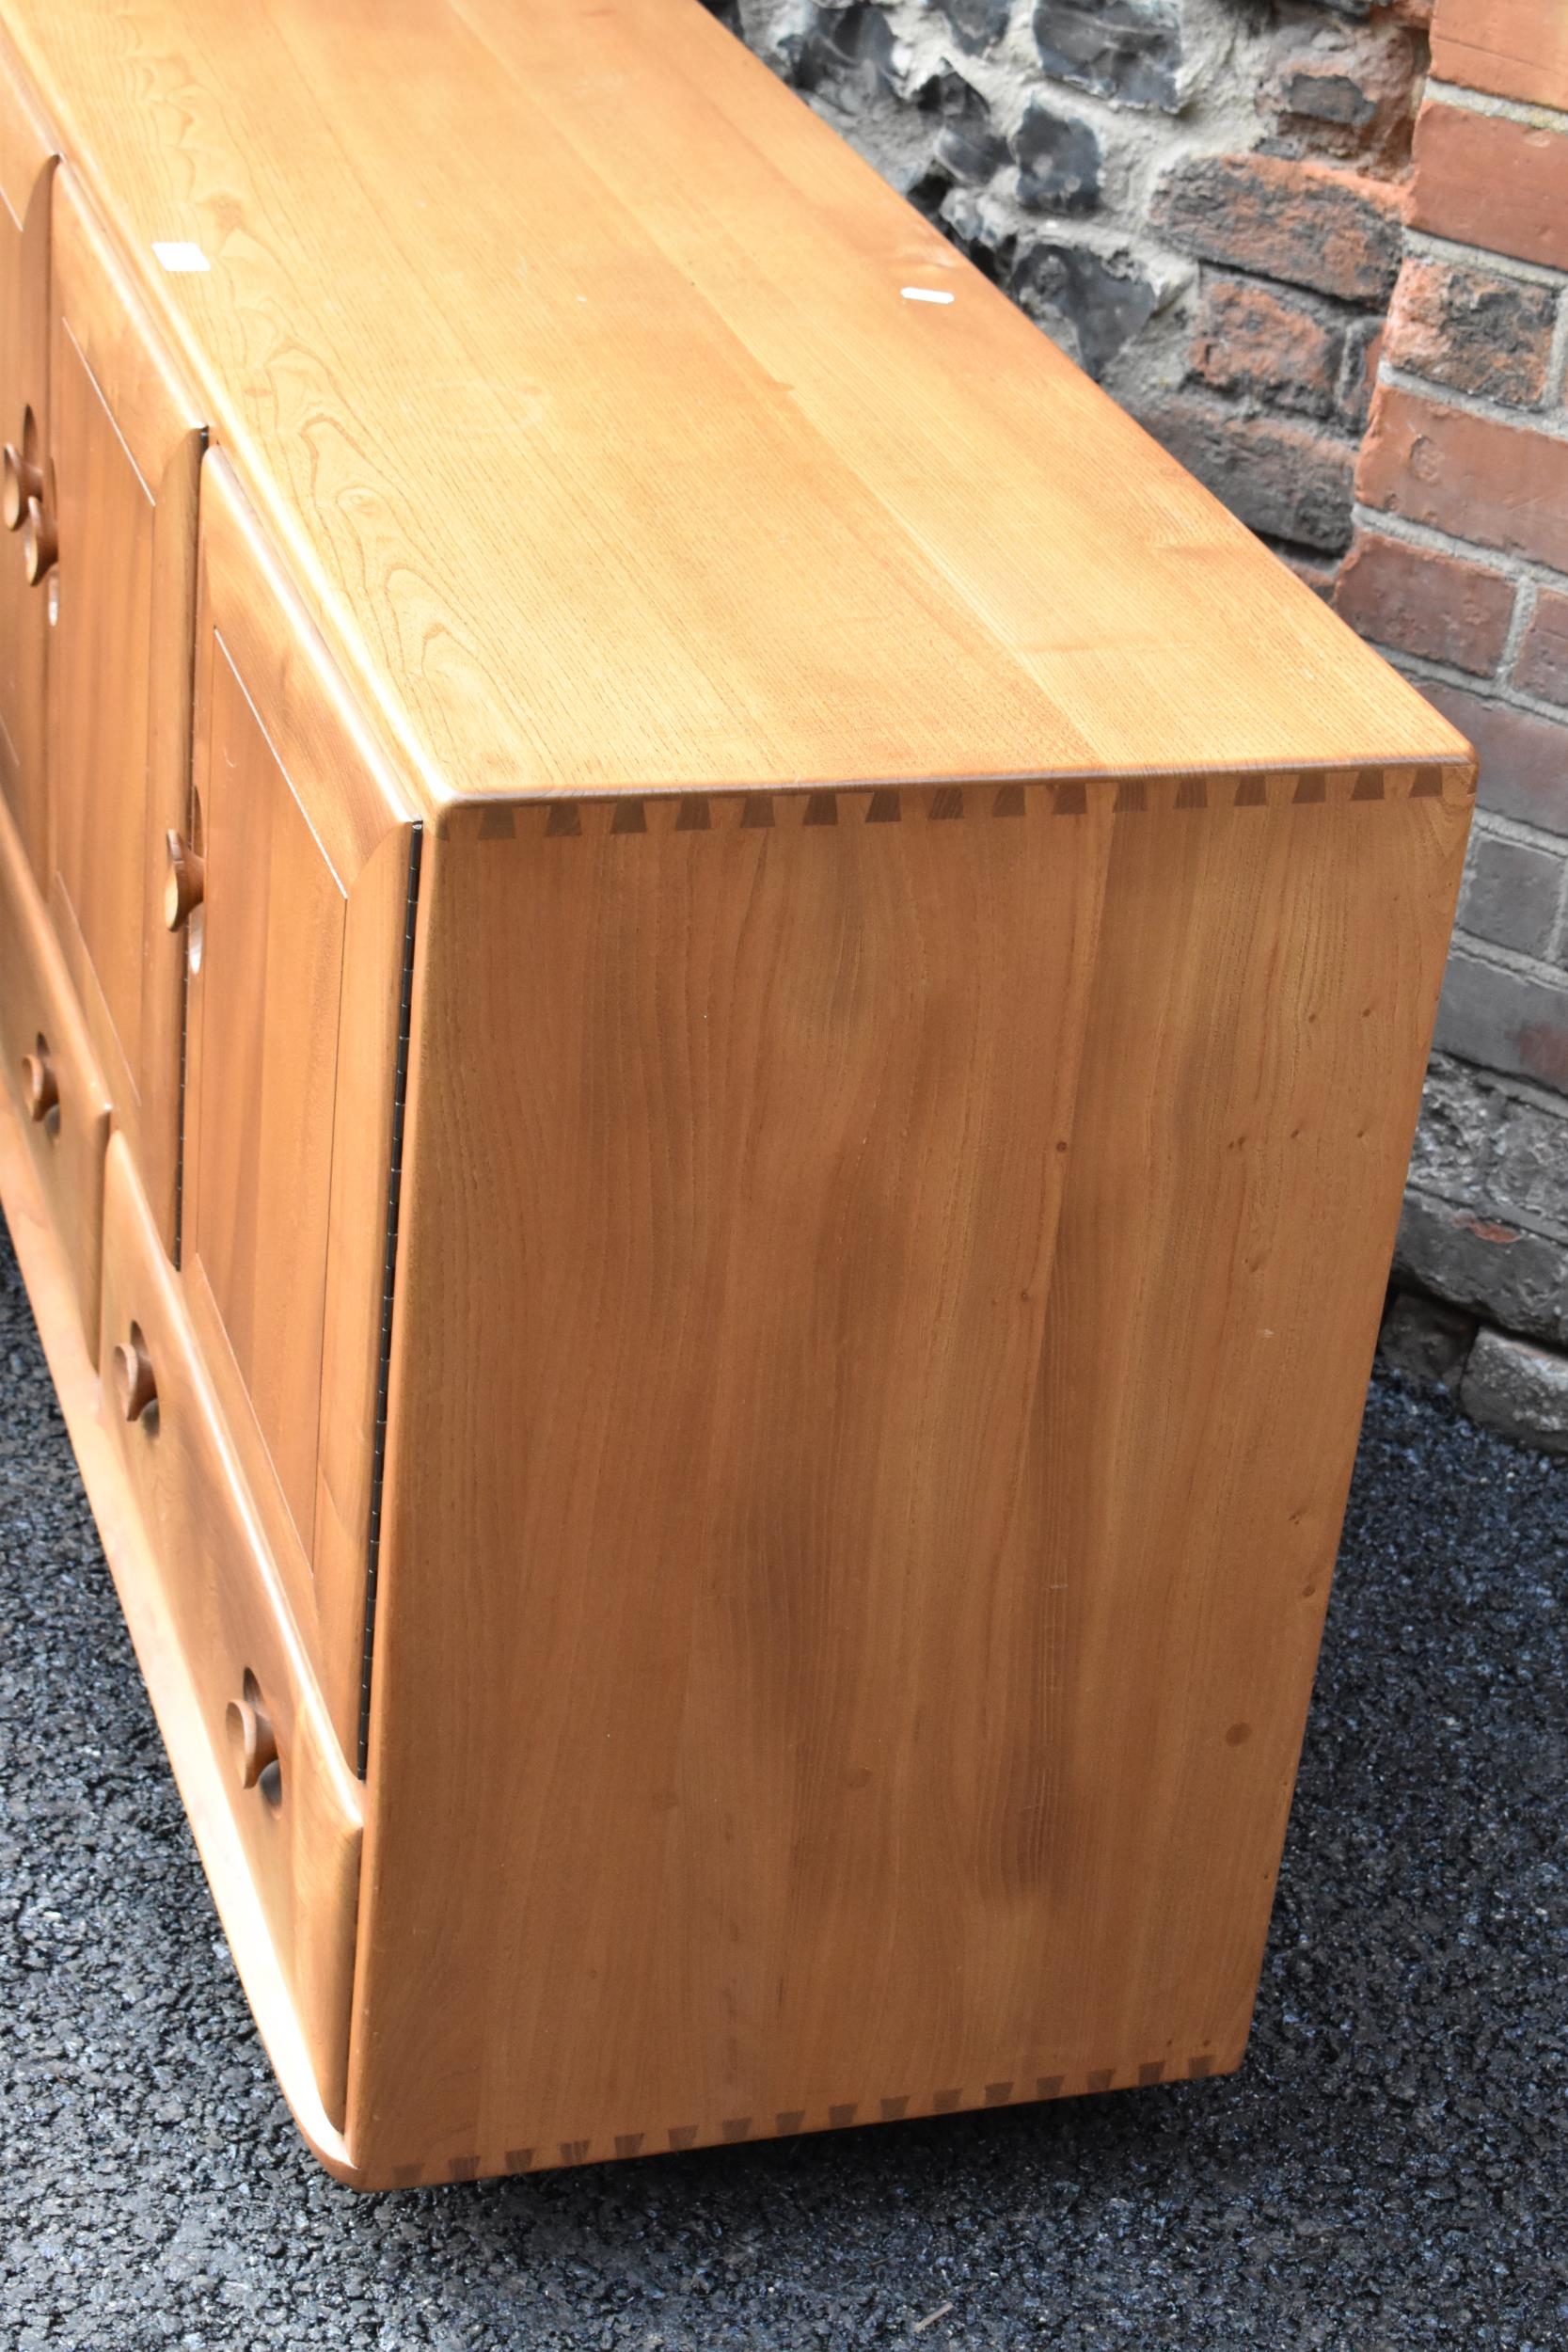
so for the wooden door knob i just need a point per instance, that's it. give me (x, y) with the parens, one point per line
(135, 1383)
(39, 547)
(252, 1742)
(41, 1088)
(186, 882)
(21, 482)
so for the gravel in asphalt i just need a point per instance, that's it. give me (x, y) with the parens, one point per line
(1387, 2171)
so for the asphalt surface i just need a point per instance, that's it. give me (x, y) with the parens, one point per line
(1387, 2171)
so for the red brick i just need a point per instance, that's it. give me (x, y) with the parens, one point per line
(1486, 180)
(1511, 48)
(1473, 330)
(1266, 343)
(1349, 90)
(1500, 485)
(1542, 664)
(1418, 600)
(1308, 223)
(1290, 480)
(1523, 759)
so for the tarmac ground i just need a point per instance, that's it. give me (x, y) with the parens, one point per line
(1387, 2171)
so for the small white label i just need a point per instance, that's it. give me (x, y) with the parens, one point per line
(923, 293)
(181, 257)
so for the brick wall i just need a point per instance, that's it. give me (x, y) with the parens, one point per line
(1202, 200)
(1320, 249)
(1458, 571)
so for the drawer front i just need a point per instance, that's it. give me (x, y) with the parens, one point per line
(292, 1799)
(62, 1107)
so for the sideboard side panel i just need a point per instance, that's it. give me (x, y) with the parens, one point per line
(710, 1670)
(1258, 1033)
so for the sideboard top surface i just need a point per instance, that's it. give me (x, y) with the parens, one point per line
(625, 432)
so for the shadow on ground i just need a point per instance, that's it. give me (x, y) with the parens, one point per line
(1387, 2171)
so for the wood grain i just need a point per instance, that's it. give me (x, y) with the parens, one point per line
(301, 1834)
(27, 159)
(888, 1585)
(202, 1780)
(125, 451)
(751, 1202)
(27, 141)
(361, 1263)
(295, 972)
(263, 1038)
(1262, 1005)
(39, 1022)
(796, 997)
(650, 478)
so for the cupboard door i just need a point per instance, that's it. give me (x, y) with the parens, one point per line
(26, 166)
(296, 867)
(125, 452)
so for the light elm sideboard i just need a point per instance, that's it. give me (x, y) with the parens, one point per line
(712, 1007)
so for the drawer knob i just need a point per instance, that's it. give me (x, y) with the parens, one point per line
(186, 882)
(39, 549)
(135, 1383)
(252, 1742)
(41, 1088)
(23, 480)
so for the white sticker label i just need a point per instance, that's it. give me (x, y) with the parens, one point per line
(923, 293)
(181, 257)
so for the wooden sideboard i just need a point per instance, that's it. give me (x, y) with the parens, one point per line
(712, 1008)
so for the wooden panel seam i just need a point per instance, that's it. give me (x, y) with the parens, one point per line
(384, 1369)
(188, 711)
